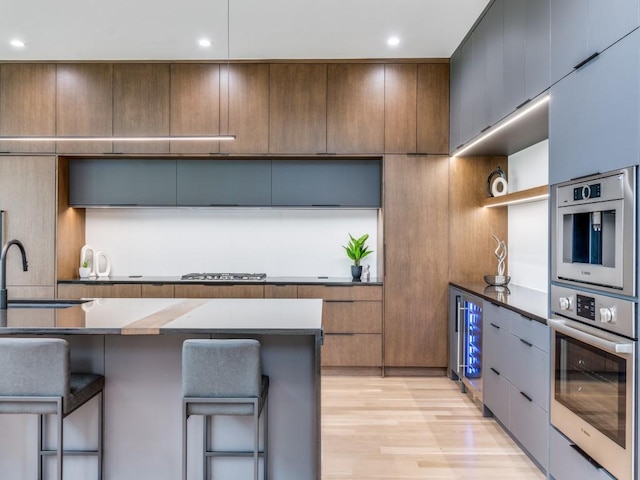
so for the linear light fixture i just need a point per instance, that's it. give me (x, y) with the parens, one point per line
(518, 201)
(492, 131)
(179, 138)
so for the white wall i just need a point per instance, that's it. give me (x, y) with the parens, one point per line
(172, 241)
(529, 222)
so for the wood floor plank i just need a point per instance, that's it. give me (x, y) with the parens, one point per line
(398, 428)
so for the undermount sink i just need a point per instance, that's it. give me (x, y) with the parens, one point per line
(44, 303)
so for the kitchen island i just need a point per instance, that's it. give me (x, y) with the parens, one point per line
(136, 344)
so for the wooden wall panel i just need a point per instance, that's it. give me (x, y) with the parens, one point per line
(400, 93)
(433, 108)
(70, 230)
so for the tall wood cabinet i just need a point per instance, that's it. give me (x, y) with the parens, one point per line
(28, 196)
(416, 216)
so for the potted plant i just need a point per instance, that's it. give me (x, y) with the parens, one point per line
(84, 270)
(356, 251)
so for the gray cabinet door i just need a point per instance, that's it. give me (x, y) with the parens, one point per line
(495, 395)
(569, 43)
(530, 371)
(455, 100)
(536, 48)
(513, 51)
(529, 424)
(224, 183)
(122, 182)
(611, 20)
(326, 183)
(467, 85)
(565, 463)
(594, 116)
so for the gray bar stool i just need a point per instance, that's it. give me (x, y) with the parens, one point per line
(35, 378)
(224, 377)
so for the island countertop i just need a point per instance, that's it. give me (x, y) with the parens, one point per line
(153, 316)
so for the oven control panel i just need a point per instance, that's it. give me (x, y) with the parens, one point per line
(609, 313)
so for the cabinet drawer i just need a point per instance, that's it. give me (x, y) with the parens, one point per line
(219, 291)
(352, 317)
(565, 463)
(499, 316)
(116, 290)
(280, 291)
(530, 425)
(340, 292)
(532, 331)
(157, 291)
(357, 350)
(530, 371)
(495, 390)
(495, 351)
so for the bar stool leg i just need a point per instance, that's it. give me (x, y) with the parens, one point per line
(184, 440)
(101, 436)
(205, 440)
(60, 439)
(40, 446)
(256, 437)
(265, 434)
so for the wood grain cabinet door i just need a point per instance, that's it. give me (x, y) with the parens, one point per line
(244, 112)
(195, 106)
(141, 106)
(27, 105)
(400, 95)
(27, 195)
(84, 97)
(433, 108)
(355, 108)
(298, 108)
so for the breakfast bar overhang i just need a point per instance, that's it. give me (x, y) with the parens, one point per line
(136, 344)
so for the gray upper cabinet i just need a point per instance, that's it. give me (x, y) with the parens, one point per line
(224, 182)
(467, 84)
(513, 54)
(326, 183)
(594, 114)
(455, 100)
(581, 28)
(130, 182)
(536, 48)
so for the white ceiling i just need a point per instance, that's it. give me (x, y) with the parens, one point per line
(259, 29)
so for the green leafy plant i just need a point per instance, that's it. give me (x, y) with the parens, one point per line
(85, 264)
(356, 249)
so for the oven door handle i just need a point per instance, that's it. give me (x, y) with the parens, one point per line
(579, 332)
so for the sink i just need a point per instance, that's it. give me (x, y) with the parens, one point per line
(44, 303)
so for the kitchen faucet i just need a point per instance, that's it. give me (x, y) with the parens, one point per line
(3, 269)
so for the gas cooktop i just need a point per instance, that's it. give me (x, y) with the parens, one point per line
(226, 277)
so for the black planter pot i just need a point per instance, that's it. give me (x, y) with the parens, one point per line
(356, 272)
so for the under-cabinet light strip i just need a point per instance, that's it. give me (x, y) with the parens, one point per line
(492, 131)
(28, 138)
(515, 202)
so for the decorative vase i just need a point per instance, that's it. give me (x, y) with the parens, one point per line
(356, 272)
(84, 272)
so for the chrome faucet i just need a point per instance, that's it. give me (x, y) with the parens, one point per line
(3, 269)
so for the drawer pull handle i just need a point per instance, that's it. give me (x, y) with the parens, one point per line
(526, 396)
(527, 318)
(495, 371)
(494, 325)
(526, 343)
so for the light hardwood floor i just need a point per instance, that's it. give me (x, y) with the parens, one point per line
(410, 428)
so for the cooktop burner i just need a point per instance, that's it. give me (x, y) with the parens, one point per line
(226, 277)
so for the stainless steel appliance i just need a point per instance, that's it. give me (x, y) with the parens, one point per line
(594, 345)
(469, 344)
(593, 232)
(225, 277)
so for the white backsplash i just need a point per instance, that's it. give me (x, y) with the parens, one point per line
(528, 263)
(173, 241)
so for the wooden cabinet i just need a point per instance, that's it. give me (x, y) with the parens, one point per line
(27, 105)
(415, 293)
(352, 322)
(335, 183)
(122, 182)
(400, 112)
(355, 108)
(223, 182)
(594, 114)
(433, 108)
(28, 196)
(195, 106)
(141, 94)
(580, 28)
(219, 291)
(115, 290)
(298, 108)
(84, 97)
(157, 290)
(244, 112)
(281, 291)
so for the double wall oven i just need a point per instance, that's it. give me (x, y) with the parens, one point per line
(594, 317)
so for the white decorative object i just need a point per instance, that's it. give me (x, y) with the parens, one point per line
(99, 260)
(498, 187)
(84, 272)
(88, 254)
(501, 253)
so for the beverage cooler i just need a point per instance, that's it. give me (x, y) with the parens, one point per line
(468, 327)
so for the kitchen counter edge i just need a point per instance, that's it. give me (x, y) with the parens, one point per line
(151, 280)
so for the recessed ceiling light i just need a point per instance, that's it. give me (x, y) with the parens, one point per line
(393, 41)
(17, 43)
(204, 42)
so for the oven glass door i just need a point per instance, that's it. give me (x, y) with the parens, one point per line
(592, 384)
